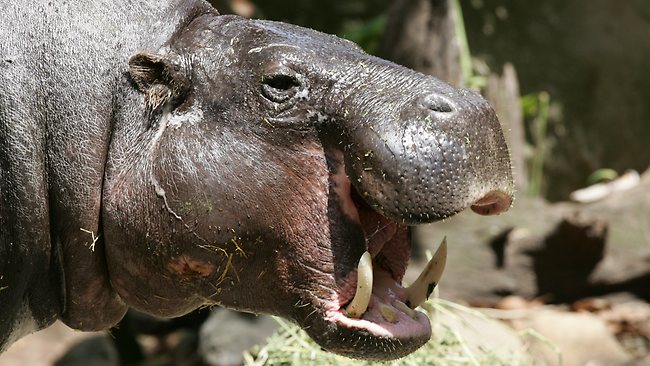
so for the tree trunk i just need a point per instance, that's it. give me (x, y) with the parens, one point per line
(421, 34)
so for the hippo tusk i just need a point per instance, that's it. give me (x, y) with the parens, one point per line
(359, 303)
(420, 290)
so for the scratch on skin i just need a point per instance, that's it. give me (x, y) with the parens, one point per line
(160, 191)
(259, 49)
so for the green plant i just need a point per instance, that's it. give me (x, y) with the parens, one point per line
(367, 34)
(536, 108)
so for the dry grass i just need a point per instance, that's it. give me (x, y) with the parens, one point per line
(292, 346)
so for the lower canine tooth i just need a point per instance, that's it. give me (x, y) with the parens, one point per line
(359, 304)
(420, 290)
(408, 311)
(388, 313)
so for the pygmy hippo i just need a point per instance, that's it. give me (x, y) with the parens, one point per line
(157, 155)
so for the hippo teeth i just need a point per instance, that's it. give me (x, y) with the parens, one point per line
(405, 309)
(388, 313)
(420, 290)
(359, 303)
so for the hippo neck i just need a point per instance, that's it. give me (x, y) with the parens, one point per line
(76, 210)
(58, 130)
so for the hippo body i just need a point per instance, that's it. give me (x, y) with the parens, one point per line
(160, 156)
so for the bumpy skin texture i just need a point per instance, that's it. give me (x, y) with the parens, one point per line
(159, 156)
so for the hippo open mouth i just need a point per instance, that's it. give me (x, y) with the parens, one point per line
(372, 301)
(370, 305)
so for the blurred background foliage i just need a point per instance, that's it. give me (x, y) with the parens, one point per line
(582, 68)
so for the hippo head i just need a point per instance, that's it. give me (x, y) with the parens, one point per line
(270, 159)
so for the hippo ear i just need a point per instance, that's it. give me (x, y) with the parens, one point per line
(164, 79)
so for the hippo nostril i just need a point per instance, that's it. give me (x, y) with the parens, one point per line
(492, 203)
(437, 103)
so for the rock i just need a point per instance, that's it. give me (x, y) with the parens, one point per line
(483, 336)
(516, 303)
(572, 339)
(599, 191)
(567, 257)
(630, 321)
(227, 334)
(43, 348)
(566, 250)
(591, 305)
(95, 351)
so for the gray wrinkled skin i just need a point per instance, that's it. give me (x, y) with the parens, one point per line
(163, 157)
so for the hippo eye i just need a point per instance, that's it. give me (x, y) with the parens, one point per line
(279, 87)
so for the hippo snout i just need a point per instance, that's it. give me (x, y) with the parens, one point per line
(423, 157)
